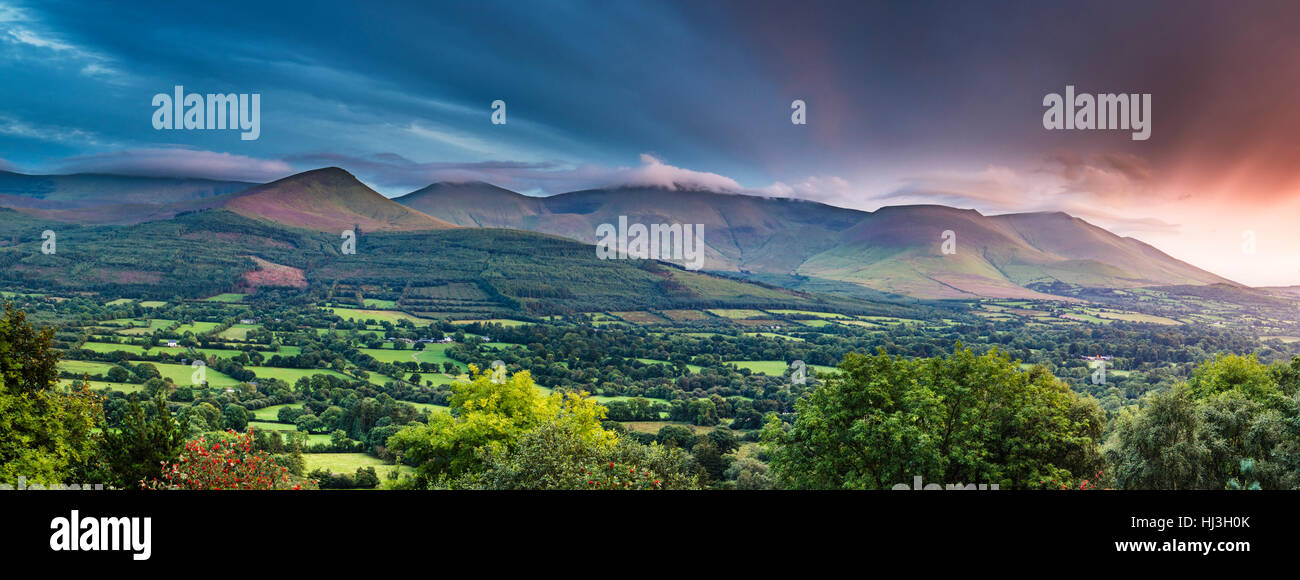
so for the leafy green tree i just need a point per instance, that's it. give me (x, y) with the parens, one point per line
(289, 414)
(309, 423)
(1161, 447)
(1234, 415)
(559, 455)
(958, 419)
(676, 436)
(234, 417)
(44, 433)
(117, 374)
(750, 474)
(1244, 374)
(486, 414)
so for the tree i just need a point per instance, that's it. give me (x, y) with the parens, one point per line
(676, 436)
(1235, 422)
(138, 448)
(1244, 374)
(309, 423)
(1162, 446)
(749, 474)
(234, 417)
(117, 374)
(44, 433)
(487, 414)
(558, 456)
(289, 414)
(959, 419)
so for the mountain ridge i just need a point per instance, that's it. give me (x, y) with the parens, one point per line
(894, 249)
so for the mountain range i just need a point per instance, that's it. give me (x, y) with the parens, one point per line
(796, 244)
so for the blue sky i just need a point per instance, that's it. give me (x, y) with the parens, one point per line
(908, 102)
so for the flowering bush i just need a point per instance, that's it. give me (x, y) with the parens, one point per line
(226, 464)
(614, 476)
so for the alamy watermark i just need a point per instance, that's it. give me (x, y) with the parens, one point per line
(917, 486)
(1103, 112)
(194, 111)
(668, 242)
(24, 486)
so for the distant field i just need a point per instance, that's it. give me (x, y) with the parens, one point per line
(655, 426)
(197, 327)
(291, 376)
(430, 407)
(391, 355)
(818, 323)
(184, 374)
(349, 462)
(228, 297)
(96, 385)
(137, 350)
(380, 304)
(809, 313)
(774, 335)
(650, 361)
(775, 368)
(179, 374)
(501, 321)
(1137, 317)
(685, 315)
(641, 317)
(377, 315)
(134, 327)
(737, 313)
(272, 413)
(237, 332)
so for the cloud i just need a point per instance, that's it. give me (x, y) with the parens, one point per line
(16, 127)
(656, 173)
(32, 39)
(159, 162)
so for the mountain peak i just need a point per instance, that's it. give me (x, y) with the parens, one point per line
(329, 199)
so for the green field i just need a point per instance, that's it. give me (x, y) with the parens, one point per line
(272, 413)
(179, 374)
(809, 313)
(197, 327)
(237, 332)
(349, 462)
(291, 376)
(738, 313)
(96, 385)
(689, 367)
(775, 368)
(360, 315)
(501, 321)
(227, 297)
(135, 327)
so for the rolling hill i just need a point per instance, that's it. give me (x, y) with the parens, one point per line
(814, 246)
(89, 190)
